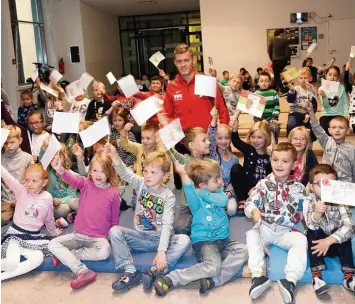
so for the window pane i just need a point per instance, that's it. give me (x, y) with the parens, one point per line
(24, 10)
(28, 48)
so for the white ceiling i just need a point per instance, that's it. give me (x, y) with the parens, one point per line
(134, 7)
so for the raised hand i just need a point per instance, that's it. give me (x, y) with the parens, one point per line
(77, 151)
(111, 151)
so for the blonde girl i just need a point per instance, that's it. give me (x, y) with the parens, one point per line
(300, 138)
(118, 119)
(333, 104)
(256, 160)
(34, 208)
(64, 196)
(98, 211)
(220, 142)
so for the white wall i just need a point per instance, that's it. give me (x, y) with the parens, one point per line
(67, 31)
(234, 32)
(101, 43)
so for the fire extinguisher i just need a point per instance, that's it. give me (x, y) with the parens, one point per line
(61, 66)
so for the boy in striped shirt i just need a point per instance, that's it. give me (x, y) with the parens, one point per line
(272, 107)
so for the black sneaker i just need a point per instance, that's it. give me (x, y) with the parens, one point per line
(349, 284)
(206, 285)
(162, 286)
(287, 290)
(320, 287)
(258, 286)
(148, 280)
(127, 281)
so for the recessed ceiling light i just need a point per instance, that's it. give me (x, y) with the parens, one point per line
(147, 2)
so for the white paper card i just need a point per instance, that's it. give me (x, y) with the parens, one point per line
(53, 147)
(34, 76)
(94, 133)
(146, 109)
(171, 134)
(337, 192)
(65, 122)
(205, 86)
(4, 135)
(352, 52)
(111, 79)
(74, 89)
(156, 58)
(48, 90)
(55, 76)
(311, 48)
(251, 103)
(128, 86)
(85, 80)
(330, 86)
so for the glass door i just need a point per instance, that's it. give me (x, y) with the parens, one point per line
(163, 40)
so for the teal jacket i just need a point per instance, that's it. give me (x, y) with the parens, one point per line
(209, 219)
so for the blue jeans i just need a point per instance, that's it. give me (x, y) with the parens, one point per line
(219, 260)
(123, 239)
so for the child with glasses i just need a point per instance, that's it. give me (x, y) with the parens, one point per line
(330, 229)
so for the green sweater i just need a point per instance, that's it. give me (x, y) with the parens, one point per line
(224, 82)
(272, 107)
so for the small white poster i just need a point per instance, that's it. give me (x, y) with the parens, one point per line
(55, 76)
(85, 80)
(4, 134)
(330, 86)
(337, 192)
(205, 86)
(171, 134)
(48, 89)
(65, 122)
(53, 147)
(128, 86)
(146, 109)
(111, 79)
(251, 103)
(94, 133)
(156, 58)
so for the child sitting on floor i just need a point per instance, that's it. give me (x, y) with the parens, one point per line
(330, 229)
(97, 107)
(219, 257)
(153, 223)
(275, 205)
(98, 211)
(34, 208)
(27, 107)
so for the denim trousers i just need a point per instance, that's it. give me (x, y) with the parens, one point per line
(71, 248)
(343, 251)
(124, 239)
(219, 260)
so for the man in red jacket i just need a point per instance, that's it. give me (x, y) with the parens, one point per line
(180, 100)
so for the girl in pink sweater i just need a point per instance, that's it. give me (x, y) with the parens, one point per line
(34, 208)
(98, 211)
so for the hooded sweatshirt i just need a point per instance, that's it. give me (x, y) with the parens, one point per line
(279, 203)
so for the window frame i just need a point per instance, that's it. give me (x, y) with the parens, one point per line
(39, 35)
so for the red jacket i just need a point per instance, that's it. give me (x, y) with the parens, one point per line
(193, 111)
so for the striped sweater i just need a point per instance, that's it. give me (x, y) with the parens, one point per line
(272, 107)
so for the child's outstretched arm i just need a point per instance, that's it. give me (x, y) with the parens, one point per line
(220, 199)
(241, 145)
(316, 127)
(126, 144)
(121, 169)
(212, 130)
(12, 182)
(69, 177)
(79, 153)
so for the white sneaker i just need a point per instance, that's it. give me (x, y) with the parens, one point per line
(349, 284)
(320, 287)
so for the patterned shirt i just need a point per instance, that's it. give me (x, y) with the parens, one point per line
(336, 221)
(23, 112)
(127, 158)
